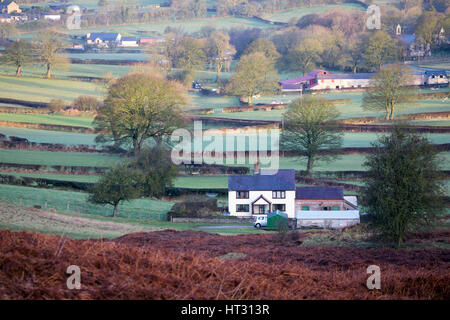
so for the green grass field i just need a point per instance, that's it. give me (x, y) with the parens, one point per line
(60, 177)
(199, 101)
(342, 163)
(72, 70)
(48, 119)
(81, 226)
(286, 16)
(138, 57)
(187, 26)
(58, 199)
(93, 4)
(57, 158)
(47, 136)
(202, 182)
(351, 139)
(347, 110)
(43, 90)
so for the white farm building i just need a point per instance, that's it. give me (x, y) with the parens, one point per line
(325, 80)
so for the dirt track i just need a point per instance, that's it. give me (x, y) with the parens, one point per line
(190, 265)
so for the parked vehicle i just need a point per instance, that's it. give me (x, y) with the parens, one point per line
(260, 221)
(196, 85)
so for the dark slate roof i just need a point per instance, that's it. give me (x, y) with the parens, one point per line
(104, 36)
(129, 39)
(281, 180)
(5, 4)
(408, 38)
(316, 193)
(436, 72)
(291, 86)
(58, 5)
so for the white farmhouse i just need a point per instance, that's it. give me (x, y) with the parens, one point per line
(103, 39)
(267, 191)
(262, 193)
(435, 78)
(52, 17)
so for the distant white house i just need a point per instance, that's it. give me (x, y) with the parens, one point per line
(103, 39)
(129, 42)
(435, 78)
(412, 48)
(52, 17)
(325, 80)
(263, 193)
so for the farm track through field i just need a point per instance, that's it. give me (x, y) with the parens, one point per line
(198, 265)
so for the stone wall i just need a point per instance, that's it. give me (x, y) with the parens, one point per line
(214, 220)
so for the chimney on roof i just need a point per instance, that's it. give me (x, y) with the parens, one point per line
(256, 168)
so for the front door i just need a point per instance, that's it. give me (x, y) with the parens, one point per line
(260, 209)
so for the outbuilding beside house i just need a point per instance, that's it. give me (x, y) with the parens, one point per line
(327, 219)
(129, 42)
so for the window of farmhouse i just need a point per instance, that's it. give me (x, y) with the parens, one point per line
(335, 208)
(305, 208)
(278, 194)
(242, 208)
(242, 194)
(279, 206)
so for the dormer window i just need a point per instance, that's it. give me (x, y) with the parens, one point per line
(241, 194)
(278, 194)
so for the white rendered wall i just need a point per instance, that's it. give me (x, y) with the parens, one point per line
(289, 201)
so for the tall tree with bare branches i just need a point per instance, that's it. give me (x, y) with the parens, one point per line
(18, 53)
(310, 125)
(390, 88)
(49, 45)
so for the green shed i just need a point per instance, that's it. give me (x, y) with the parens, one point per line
(275, 218)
